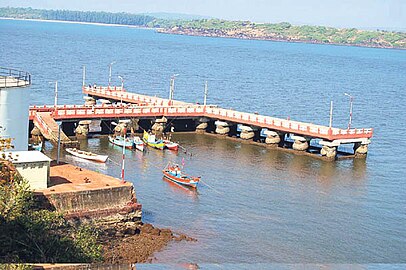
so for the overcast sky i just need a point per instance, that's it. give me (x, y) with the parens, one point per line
(341, 13)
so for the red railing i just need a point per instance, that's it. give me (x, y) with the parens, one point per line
(289, 126)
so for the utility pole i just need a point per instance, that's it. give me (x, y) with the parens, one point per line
(59, 143)
(56, 95)
(84, 76)
(110, 66)
(351, 101)
(331, 114)
(205, 93)
(172, 86)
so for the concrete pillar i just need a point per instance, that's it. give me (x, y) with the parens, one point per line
(89, 101)
(222, 128)
(329, 149)
(361, 149)
(82, 130)
(120, 129)
(159, 125)
(247, 132)
(300, 144)
(36, 136)
(202, 125)
(274, 138)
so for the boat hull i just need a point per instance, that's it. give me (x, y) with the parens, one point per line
(185, 180)
(120, 142)
(171, 145)
(86, 155)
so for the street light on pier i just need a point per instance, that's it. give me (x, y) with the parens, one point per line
(122, 82)
(172, 86)
(122, 88)
(351, 100)
(110, 66)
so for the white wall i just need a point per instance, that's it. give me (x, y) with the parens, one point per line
(36, 173)
(14, 106)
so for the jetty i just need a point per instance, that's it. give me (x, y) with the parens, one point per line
(183, 116)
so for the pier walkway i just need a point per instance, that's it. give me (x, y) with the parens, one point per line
(50, 129)
(131, 105)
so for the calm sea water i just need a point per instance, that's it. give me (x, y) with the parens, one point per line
(257, 205)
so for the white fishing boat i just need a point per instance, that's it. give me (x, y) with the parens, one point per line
(86, 155)
(138, 143)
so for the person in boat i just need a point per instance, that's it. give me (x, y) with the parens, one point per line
(175, 170)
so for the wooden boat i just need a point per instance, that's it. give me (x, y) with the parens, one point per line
(171, 145)
(174, 174)
(151, 140)
(139, 144)
(119, 140)
(86, 155)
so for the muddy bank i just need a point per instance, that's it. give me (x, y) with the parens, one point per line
(135, 244)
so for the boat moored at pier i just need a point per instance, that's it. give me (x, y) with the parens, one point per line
(87, 155)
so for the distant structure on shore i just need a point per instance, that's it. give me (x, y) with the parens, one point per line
(14, 106)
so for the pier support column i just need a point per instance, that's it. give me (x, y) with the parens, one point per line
(247, 132)
(36, 136)
(361, 149)
(159, 125)
(120, 129)
(82, 130)
(89, 101)
(301, 143)
(202, 125)
(274, 138)
(329, 149)
(222, 128)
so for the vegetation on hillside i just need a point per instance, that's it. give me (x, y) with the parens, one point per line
(284, 31)
(76, 16)
(221, 28)
(31, 235)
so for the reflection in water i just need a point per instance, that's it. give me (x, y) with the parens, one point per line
(296, 205)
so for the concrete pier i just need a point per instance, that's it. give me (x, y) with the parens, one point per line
(222, 128)
(82, 130)
(301, 143)
(202, 124)
(81, 194)
(361, 148)
(329, 149)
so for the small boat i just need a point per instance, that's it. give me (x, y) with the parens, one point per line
(171, 145)
(151, 140)
(119, 140)
(86, 155)
(139, 144)
(174, 174)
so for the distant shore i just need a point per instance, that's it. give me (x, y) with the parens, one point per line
(212, 33)
(219, 34)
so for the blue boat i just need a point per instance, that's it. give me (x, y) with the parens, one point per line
(119, 140)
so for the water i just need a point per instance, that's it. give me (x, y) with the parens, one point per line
(260, 205)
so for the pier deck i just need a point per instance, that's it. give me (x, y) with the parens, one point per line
(131, 105)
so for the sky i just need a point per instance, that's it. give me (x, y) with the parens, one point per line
(369, 14)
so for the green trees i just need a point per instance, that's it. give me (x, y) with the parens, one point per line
(280, 31)
(31, 235)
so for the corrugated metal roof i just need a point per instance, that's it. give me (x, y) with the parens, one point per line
(26, 156)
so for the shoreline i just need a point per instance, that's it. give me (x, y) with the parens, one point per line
(191, 32)
(214, 35)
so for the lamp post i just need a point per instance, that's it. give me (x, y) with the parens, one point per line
(172, 86)
(205, 93)
(351, 100)
(110, 66)
(122, 88)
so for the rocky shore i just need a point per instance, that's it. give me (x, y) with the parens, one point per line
(136, 244)
(260, 34)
